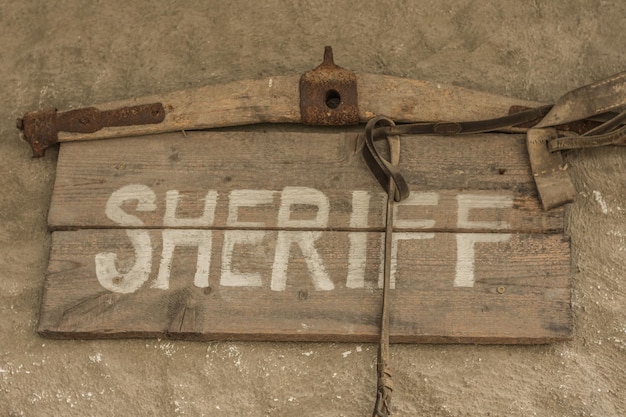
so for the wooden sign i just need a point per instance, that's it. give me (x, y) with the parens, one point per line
(277, 235)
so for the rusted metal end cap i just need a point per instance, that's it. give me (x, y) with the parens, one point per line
(328, 95)
(39, 130)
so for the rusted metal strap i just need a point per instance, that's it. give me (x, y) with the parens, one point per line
(41, 128)
(328, 95)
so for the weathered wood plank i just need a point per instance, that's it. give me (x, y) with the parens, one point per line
(458, 183)
(294, 285)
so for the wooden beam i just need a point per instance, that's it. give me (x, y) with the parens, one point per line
(276, 100)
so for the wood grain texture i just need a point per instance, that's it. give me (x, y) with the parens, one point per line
(406, 100)
(277, 100)
(276, 235)
(521, 293)
(450, 167)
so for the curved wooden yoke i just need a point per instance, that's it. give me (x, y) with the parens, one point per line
(325, 96)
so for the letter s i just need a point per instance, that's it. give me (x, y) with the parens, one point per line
(111, 279)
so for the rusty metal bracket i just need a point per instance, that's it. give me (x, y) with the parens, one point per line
(41, 128)
(328, 94)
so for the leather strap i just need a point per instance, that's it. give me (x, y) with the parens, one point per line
(605, 134)
(384, 390)
(617, 137)
(608, 125)
(461, 128)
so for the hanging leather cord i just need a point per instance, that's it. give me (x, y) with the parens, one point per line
(386, 173)
(382, 408)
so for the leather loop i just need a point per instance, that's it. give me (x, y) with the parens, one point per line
(382, 169)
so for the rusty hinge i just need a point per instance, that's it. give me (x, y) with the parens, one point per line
(328, 95)
(41, 128)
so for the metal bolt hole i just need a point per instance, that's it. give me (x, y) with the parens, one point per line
(333, 99)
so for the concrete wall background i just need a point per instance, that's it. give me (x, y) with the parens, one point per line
(67, 55)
